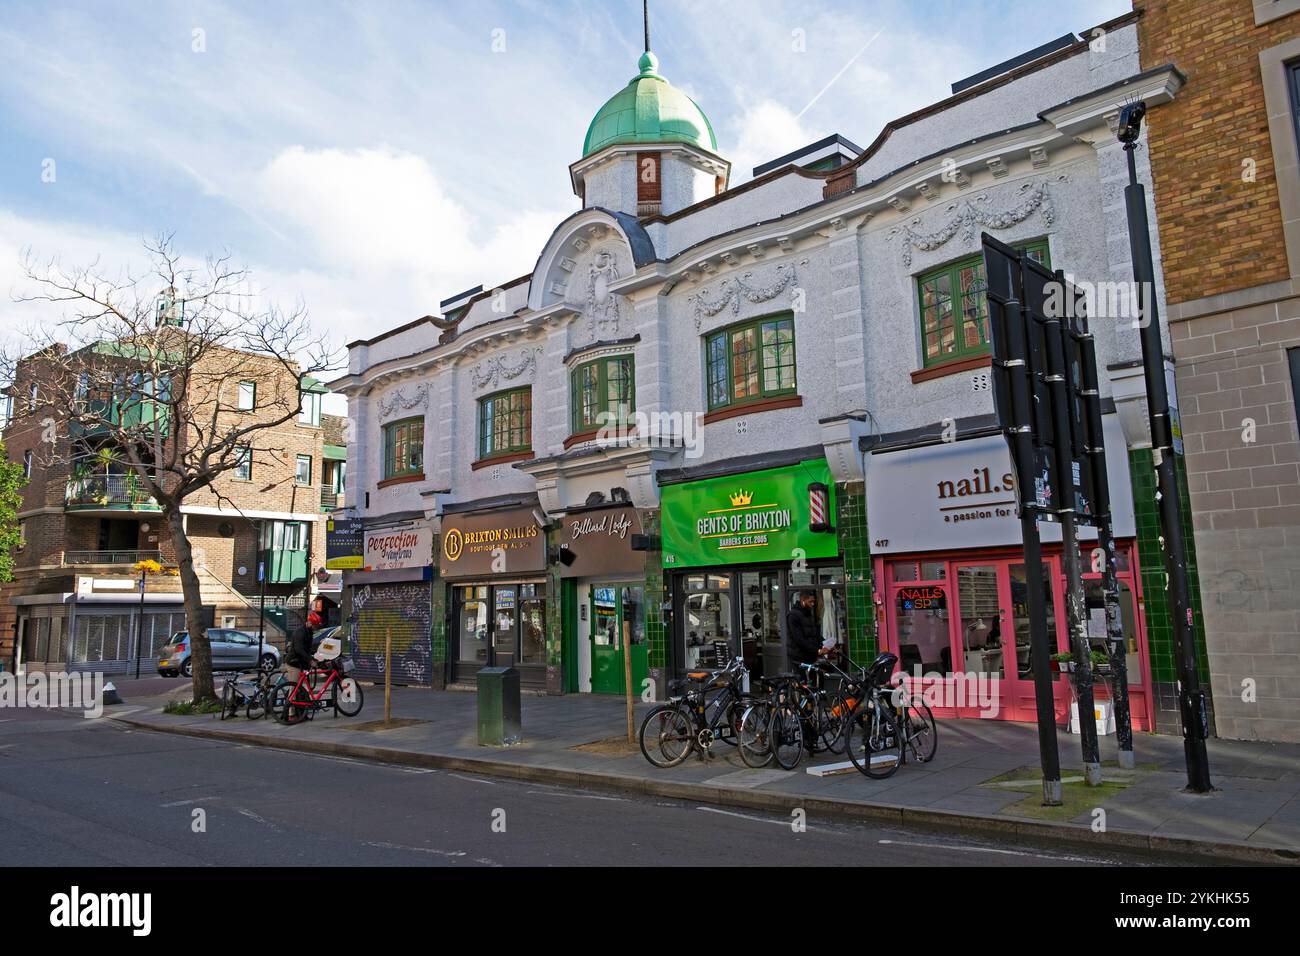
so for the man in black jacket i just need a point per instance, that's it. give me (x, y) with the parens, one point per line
(803, 634)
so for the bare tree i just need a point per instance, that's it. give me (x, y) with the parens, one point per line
(144, 371)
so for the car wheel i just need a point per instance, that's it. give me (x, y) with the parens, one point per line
(268, 663)
(187, 669)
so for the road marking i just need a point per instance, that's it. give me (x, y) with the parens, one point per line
(745, 816)
(580, 796)
(452, 854)
(460, 776)
(989, 849)
(182, 803)
(262, 820)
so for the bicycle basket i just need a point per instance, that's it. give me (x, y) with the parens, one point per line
(329, 649)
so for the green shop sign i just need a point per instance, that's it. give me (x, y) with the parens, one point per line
(758, 516)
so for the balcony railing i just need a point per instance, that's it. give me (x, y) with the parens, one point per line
(330, 500)
(116, 492)
(78, 558)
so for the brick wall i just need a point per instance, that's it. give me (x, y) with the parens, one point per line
(1218, 232)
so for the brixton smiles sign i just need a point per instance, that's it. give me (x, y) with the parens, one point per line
(758, 516)
(501, 542)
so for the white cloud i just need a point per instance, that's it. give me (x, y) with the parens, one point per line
(765, 130)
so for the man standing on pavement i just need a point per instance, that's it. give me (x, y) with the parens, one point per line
(803, 634)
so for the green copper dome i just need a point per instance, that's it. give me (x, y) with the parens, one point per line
(649, 110)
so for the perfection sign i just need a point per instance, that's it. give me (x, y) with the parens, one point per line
(394, 548)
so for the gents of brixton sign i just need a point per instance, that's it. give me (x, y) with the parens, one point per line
(758, 516)
(344, 544)
(501, 542)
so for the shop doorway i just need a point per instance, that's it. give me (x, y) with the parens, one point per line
(615, 613)
(501, 625)
(968, 620)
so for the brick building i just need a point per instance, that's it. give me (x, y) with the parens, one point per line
(1227, 195)
(86, 521)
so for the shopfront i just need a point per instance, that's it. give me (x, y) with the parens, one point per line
(738, 550)
(387, 591)
(494, 566)
(604, 597)
(951, 579)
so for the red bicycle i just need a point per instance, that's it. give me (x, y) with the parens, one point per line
(317, 689)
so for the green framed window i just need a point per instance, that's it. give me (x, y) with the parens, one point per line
(243, 463)
(404, 448)
(604, 392)
(302, 470)
(505, 423)
(954, 311)
(750, 362)
(247, 396)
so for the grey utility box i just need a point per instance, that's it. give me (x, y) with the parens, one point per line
(498, 707)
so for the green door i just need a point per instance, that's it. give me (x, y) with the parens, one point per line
(617, 612)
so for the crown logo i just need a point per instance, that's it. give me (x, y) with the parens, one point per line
(742, 498)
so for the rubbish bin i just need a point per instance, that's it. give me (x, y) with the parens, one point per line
(498, 707)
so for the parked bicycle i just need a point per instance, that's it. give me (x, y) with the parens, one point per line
(247, 690)
(704, 708)
(888, 723)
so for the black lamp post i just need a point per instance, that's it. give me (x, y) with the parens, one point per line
(1191, 698)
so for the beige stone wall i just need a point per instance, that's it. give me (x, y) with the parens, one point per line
(1243, 463)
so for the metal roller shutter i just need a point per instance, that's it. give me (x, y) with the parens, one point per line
(405, 611)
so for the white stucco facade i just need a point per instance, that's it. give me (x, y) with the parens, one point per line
(1030, 157)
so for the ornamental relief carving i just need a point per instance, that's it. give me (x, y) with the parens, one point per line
(490, 372)
(742, 287)
(967, 215)
(602, 308)
(398, 401)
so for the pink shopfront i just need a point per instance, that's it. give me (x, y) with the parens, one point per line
(950, 577)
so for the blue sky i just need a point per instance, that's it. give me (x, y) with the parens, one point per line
(373, 158)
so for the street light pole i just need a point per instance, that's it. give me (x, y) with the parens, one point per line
(1191, 698)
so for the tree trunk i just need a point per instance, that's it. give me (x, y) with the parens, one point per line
(200, 649)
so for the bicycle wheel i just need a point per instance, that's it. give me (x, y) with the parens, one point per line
(348, 697)
(229, 701)
(256, 705)
(873, 742)
(666, 735)
(754, 738)
(921, 731)
(284, 708)
(786, 735)
(832, 718)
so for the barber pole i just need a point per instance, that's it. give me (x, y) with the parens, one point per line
(818, 507)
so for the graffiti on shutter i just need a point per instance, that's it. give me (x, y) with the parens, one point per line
(404, 611)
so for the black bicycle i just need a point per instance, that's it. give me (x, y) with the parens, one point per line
(704, 708)
(888, 723)
(247, 690)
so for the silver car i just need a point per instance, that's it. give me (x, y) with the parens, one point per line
(231, 651)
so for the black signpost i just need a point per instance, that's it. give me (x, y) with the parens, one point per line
(1049, 407)
(1019, 402)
